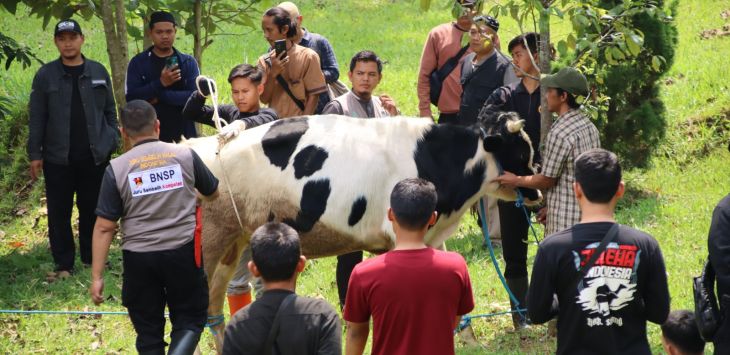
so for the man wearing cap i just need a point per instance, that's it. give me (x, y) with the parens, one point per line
(522, 97)
(319, 44)
(164, 77)
(572, 134)
(483, 70)
(152, 188)
(446, 42)
(72, 133)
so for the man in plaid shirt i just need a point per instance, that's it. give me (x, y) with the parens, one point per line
(572, 134)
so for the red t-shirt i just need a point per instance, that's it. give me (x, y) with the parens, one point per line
(413, 296)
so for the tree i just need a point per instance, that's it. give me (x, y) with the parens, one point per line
(115, 29)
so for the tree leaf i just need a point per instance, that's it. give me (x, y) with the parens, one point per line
(571, 41)
(563, 48)
(656, 63)
(634, 43)
(425, 5)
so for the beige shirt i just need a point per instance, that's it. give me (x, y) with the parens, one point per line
(302, 73)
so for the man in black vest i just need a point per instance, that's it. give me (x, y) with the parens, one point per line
(483, 70)
(72, 132)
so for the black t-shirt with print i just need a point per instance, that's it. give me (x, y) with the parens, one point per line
(607, 312)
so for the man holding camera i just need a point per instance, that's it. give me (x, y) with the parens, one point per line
(164, 77)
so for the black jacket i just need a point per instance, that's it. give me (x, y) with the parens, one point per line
(196, 110)
(719, 246)
(50, 112)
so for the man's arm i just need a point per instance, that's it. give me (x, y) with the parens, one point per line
(540, 306)
(356, 338)
(429, 63)
(656, 297)
(311, 104)
(110, 109)
(179, 97)
(38, 112)
(537, 181)
(205, 182)
(196, 110)
(330, 340)
(135, 87)
(495, 103)
(328, 64)
(718, 242)
(314, 83)
(104, 230)
(332, 108)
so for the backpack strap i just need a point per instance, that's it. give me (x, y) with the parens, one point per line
(610, 235)
(274, 331)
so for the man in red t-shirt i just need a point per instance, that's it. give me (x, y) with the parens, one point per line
(416, 295)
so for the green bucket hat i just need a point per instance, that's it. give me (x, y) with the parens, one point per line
(567, 79)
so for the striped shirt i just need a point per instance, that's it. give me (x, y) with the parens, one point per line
(572, 134)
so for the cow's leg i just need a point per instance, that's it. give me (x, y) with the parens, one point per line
(217, 285)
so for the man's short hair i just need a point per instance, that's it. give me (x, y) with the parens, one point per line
(681, 330)
(530, 37)
(571, 101)
(366, 56)
(599, 174)
(249, 71)
(281, 19)
(275, 250)
(413, 202)
(138, 117)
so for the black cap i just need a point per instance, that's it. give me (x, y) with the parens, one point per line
(67, 26)
(487, 20)
(161, 16)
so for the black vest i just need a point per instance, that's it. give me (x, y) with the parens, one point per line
(478, 84)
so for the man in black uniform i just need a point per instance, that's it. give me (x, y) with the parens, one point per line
(605, 311)
(522, 97)
(719, 248)
(164, 77)
(307, 325)
(72, 133)
(160, 268)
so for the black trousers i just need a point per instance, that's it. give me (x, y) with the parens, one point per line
(514, 226)
(155, 279)
(450, 118)
(80, 178)
(345, 264)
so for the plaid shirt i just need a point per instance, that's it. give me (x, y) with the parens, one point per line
(572, 134)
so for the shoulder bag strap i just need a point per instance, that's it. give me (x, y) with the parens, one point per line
(610, 235)
(451, 63)
(274, 331)
(285, 85)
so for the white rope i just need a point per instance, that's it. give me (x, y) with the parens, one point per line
(217, 120)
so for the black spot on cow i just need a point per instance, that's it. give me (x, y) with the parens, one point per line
(312, 205)
(441, 157)
(282, 138)
(309, 160)
(357, 211)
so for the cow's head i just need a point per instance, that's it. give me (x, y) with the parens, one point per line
(503, 136)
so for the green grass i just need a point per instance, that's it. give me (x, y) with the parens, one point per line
(672, 200)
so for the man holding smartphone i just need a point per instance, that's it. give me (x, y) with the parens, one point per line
(164, 77)
(293, 78)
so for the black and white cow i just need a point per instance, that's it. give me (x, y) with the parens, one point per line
(330, 178)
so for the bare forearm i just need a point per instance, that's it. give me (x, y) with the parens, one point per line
(537, 181)
(102, 239)
(357, 337)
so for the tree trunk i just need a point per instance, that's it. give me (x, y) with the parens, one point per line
(198, 34)
(115, 30)
(146, 40)
(546, 118)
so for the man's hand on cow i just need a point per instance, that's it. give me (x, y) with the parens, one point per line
(231, 131)
(389, 105)
(170, 76)
(97, 291)
(507, 180)
(36, 166)
(278, 64)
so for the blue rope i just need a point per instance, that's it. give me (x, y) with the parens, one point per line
(520, 203)
(214, 321)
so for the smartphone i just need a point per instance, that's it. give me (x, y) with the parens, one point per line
(171, 62)
(280, 47)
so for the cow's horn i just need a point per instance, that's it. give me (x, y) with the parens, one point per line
(515, 126)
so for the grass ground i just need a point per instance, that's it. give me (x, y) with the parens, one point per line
(672, 200)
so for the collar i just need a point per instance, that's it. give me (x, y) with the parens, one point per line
(174, 52)
(456, 26)
(248, 114)
(483, 60)
(361, 99)
(306, 36)
(150, 140)
(86, 72)
(521, 89)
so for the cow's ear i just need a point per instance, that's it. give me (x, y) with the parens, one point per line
(492, 143)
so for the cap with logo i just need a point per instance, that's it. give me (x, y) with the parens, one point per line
(67, 26)
(488, 21)
(568, 79)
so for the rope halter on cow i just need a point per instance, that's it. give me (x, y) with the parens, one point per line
(223, 136)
